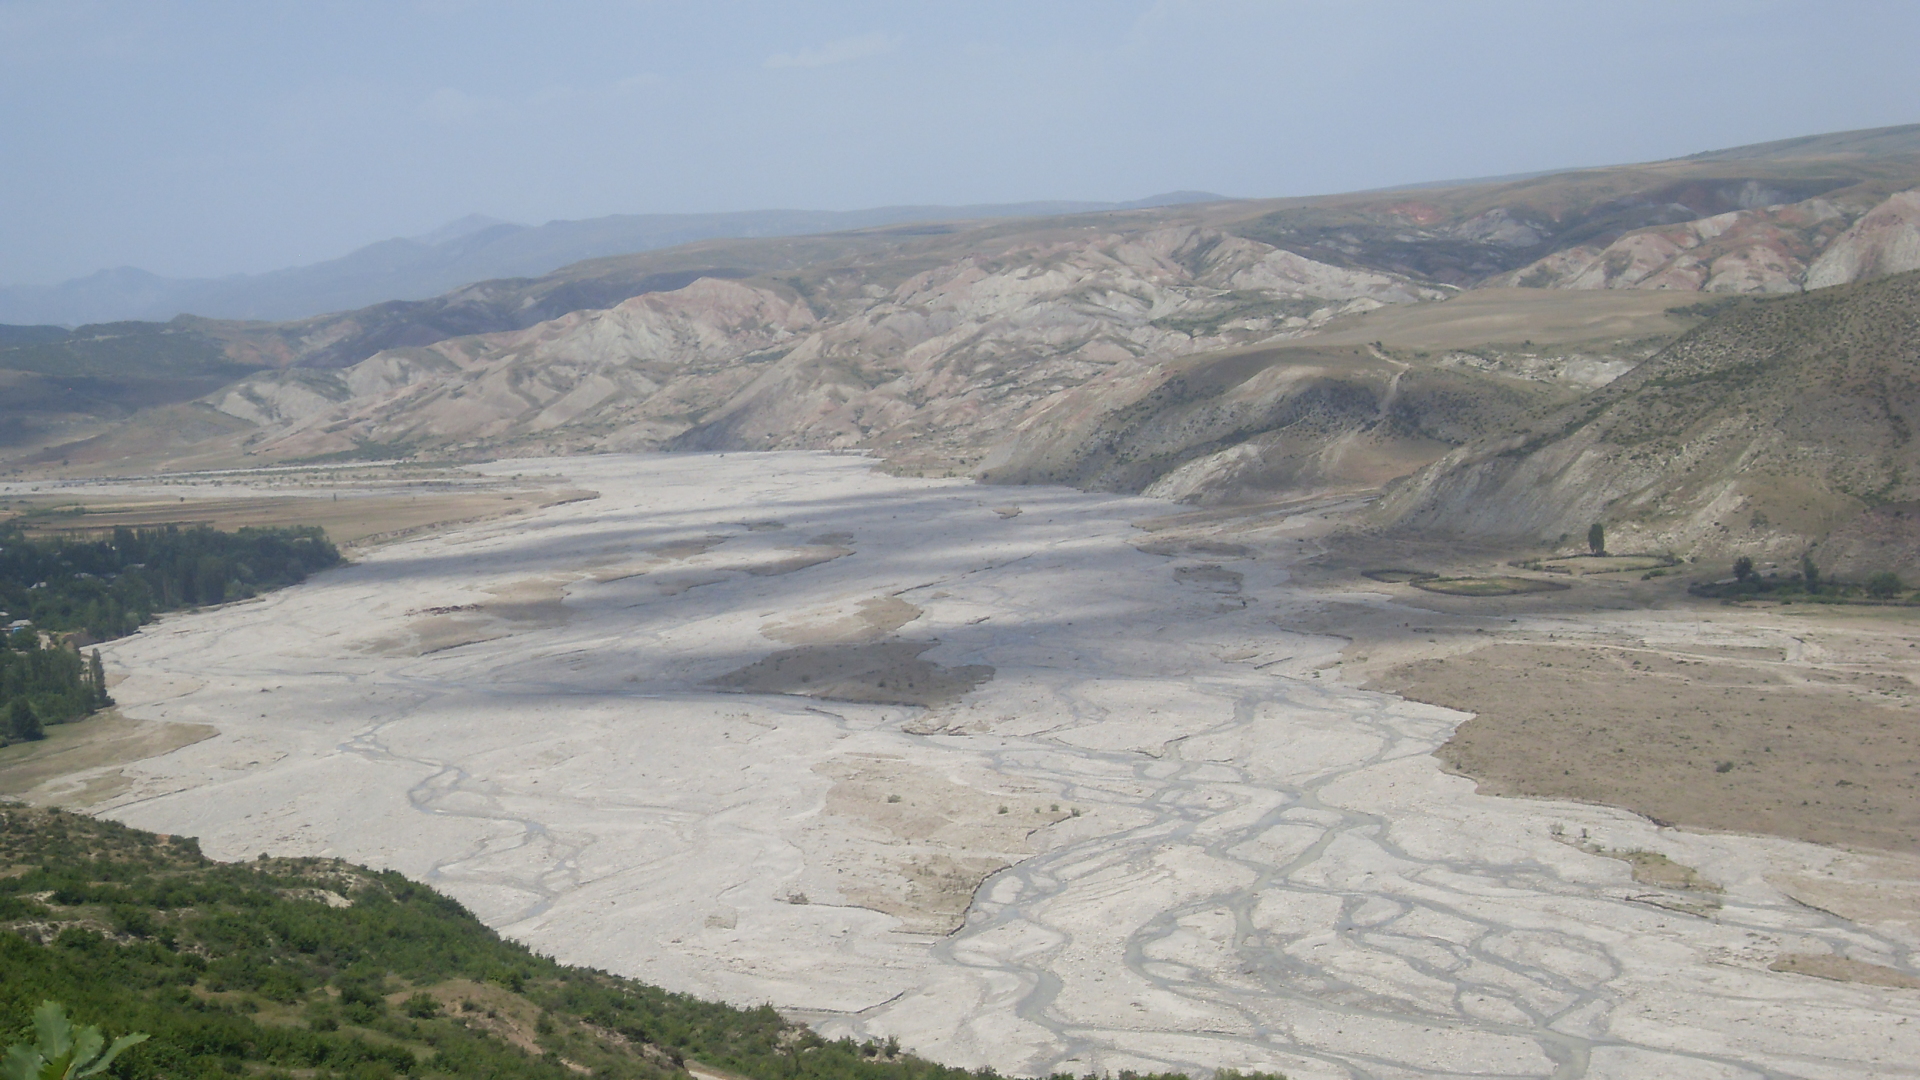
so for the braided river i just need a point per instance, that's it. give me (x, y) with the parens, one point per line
(1023, 777)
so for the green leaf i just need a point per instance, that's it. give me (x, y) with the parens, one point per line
(62, 1053)
(87, 1042)
(52, 1030)
(23, 1062)
(113, 1051)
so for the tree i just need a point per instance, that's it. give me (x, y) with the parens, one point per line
(97, 674)
(1885, 585)
(1809, 573)
(1742, 570)
(22, 724)
(61, 1051)
(1597, 539)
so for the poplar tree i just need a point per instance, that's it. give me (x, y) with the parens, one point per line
(22, 724)
(97, 674)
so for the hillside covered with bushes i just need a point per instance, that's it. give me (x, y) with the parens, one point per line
(319, 968)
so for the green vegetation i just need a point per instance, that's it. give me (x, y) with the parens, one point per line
(364, 450)
(1809, 586)
(44, 685)
(1602, 563)
(106, 588)
(60, 1051)
(1597, 539)
(317, 968)
(1495, 585)
(1241, 306)
(109, 586)
(1706, 309)
(181, 348)
(1398, 575)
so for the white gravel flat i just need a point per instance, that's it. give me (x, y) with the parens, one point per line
(1267, 869)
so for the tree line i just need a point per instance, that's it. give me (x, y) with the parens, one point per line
(68, 590)
(1810, 585)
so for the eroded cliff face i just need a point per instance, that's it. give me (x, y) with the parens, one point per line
(1767, 431)
(1884, 241)
(1193, 352)
(978, 356)
(519, 382)
(1791, 247)
(934, 371)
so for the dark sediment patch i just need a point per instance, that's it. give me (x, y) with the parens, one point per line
(884, 673)
(1213, 549)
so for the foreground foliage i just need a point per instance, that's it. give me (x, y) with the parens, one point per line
(61, 1051)
(318, 968)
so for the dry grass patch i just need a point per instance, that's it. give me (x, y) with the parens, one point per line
(530, 603)
(1535, 316)
(939, 838)
(352, 519)
(1394, 575)
(31, 770)
(1843, 969)
(1709, 743)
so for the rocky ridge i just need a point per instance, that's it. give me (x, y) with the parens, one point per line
(934, 369)
(1776, 426)
(1211, 352)
(1784, 248)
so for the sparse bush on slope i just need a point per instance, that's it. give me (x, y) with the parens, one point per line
(318, 968)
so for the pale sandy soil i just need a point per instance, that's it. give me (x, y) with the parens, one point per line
(1217, 849)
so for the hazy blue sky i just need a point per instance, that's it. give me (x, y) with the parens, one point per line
(205, 137)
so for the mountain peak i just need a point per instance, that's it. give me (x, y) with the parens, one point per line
(458, 228)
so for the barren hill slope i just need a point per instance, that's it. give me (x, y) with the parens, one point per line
(942, 356)
(1201, 350)
(1776, 426)
(1088, 359)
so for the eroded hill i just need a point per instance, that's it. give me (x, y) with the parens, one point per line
(1213, 352)
(1776, 426)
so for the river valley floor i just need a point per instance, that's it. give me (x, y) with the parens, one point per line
(1024, 777)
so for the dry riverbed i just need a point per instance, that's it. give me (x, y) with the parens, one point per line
(1093, 785)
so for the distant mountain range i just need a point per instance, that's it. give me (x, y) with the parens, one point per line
(1712, 356)
(474, 248)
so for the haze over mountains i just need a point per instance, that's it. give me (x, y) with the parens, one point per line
(1449, 341)
(470, 249)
